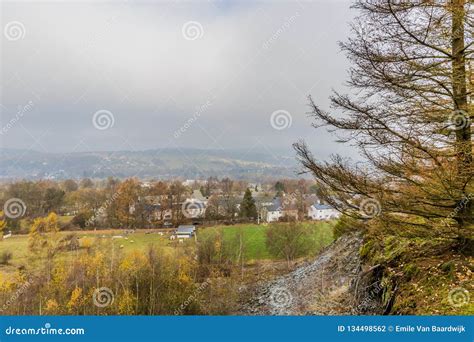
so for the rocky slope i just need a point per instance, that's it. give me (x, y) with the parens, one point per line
(326, 286)
(394, 275)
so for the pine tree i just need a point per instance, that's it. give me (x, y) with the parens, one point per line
(247, 207)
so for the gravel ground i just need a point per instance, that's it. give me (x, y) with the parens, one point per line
(320, 287)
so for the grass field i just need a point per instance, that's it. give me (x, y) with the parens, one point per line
(18, 244)
(254, 237)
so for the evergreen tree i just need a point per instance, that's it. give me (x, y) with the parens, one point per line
(247, 207)
(279, 186)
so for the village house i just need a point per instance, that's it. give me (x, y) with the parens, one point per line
(274, 211)
(263, 201)
(322, 212)
(281, 209)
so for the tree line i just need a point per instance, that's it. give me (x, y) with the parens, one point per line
(132, 203)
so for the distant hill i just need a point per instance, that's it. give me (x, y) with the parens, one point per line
(156, 164)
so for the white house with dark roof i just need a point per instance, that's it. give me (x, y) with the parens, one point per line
(322, 212)
(274, 211)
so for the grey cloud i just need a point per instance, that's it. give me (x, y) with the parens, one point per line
(132, 59)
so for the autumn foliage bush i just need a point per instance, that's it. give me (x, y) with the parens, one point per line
(141, 283)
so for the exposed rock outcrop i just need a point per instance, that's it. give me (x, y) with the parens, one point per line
(333, 284)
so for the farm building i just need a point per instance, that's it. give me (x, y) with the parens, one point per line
(185, 232)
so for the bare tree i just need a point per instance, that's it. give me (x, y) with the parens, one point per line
(288, 241)
(229, 199)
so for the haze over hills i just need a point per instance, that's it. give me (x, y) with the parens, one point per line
(150, 164)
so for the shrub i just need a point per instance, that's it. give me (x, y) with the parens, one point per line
(70, 242)
(81, 219)
(411, 271)
(86, 242)
(5, 257)
(346, 225)
(288, 240)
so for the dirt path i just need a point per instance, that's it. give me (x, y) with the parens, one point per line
(317, 288)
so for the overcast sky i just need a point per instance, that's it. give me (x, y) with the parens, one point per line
(204, 74)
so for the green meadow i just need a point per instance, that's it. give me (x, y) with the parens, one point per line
(115, 240)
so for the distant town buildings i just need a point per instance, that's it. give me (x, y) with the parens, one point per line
(169, 204)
